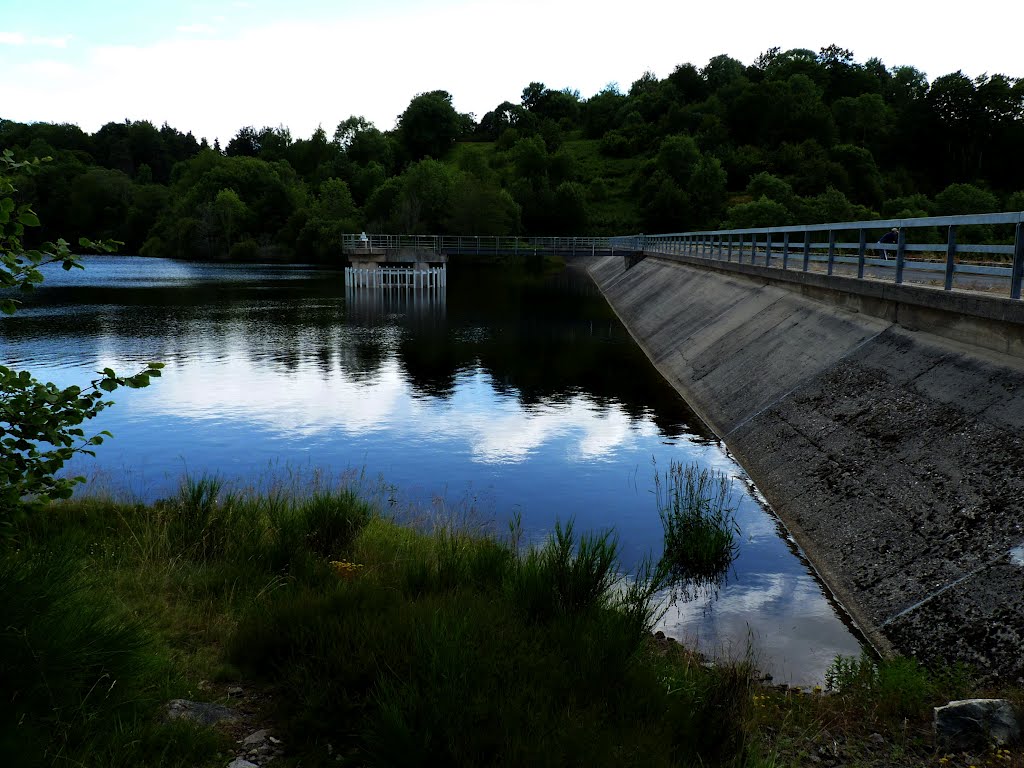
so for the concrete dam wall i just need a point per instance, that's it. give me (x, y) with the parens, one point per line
(894, 455)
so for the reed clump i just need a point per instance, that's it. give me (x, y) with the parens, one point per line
(699, 522)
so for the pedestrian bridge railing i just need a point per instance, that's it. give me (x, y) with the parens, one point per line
(477, 244)
(983, 252)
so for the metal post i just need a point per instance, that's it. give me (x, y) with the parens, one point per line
(785, 250)
(862, 248)
(753, 247)
(901, 251)
(728, 256)
(950, 257)
(768, 249)
(1018, 262)
(807, 250)
(831, 250)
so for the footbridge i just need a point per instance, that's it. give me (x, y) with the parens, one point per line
(444, 246)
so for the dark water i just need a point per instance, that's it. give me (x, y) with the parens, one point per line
(499, 397)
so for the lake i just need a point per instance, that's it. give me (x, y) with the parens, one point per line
(508, 394)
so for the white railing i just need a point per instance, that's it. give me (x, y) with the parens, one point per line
(800, 247)
(475, 244)
(432, 278)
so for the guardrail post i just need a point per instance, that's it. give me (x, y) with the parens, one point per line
(768, 249)
(1018, 262)
(753, 247)
(728, 255)
(807, 250)
(901, 252)
(785, 250)
(862, 249)
(950, 258)
(831, 250)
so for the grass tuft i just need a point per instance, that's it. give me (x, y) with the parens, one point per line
(699, 523)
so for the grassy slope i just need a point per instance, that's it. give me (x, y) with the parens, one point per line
(391, 645)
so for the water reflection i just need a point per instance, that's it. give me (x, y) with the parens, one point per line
(370, 306)
(501, 396)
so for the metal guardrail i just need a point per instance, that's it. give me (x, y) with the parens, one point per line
(779, 247)
(473, 244)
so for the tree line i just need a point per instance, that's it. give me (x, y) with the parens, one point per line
(794, 137)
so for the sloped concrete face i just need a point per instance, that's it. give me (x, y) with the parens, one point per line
(894, 457)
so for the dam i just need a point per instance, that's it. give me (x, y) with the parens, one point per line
(882, 421)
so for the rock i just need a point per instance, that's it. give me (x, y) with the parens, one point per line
(876, 738)
(239, 762)
(200, 712)
(257, 738)
(975, 723)
(235, 691)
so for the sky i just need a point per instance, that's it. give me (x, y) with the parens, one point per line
(214, 66)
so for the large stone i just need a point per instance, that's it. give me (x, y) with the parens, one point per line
(200, 712)
(975, 723)
(257, 738)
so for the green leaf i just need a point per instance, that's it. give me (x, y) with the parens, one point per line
(108, 385)
(29, 219)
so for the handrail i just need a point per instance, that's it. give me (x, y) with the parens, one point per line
(774, 247)
(474, 243)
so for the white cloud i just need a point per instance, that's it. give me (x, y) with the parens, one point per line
(372, 59)
(196, 29)
(16, 38)
(495, 431)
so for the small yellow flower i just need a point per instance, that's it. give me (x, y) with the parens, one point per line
(345, 569)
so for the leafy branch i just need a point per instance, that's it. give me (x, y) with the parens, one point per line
(40, 423)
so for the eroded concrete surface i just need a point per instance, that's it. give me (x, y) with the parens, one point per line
(895, 457)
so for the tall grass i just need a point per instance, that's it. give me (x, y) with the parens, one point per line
(430, 646)
(896, 688)
(463, 650)
(699, 522)
(80, 677)
(83, 679)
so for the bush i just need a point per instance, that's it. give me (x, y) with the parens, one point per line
(244, 250)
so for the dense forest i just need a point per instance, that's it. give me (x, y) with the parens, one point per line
(795, 137)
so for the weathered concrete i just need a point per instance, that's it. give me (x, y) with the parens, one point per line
(895, 457)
